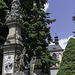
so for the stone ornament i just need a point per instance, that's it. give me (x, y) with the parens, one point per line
(8, 66)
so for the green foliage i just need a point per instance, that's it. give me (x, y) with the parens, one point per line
(2, 12)
(3, 28)
(36, 32)
(67, 66)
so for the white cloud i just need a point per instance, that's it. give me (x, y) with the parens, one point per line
(46, 6)
(63, 42)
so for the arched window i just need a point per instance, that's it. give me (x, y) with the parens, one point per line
(54, 56)
(60, 58)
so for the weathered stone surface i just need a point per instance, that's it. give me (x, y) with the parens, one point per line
(13, 47)
(20, 73)
(32, 66)
(14, 15)
(14, 21)
(33, 74)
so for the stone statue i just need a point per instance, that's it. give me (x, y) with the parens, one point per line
(32, 66)
(14, 14)
(19, 61)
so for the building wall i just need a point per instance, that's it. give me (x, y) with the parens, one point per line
(58, 54)
(53, 71)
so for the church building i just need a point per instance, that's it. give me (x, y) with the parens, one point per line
(56, 52)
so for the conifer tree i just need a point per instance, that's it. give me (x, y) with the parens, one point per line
(67, 66)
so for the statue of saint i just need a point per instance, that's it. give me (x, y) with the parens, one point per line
(20, 61)
(32, 66)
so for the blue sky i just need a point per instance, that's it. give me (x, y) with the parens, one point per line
(62, 11)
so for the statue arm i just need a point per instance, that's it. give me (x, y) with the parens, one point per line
(24, 51)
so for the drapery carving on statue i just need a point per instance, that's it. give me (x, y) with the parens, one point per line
(19, 61)
(32, 65)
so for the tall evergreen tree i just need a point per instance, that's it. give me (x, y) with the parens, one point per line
(67, 66)
(36, 31)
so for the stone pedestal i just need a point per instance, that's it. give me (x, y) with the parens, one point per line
(33, 74)
(20, 73)
(10, 51)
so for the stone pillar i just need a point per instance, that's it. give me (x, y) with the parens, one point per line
(9, 58)
(13, 47)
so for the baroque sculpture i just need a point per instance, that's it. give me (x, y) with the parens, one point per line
(13, 52)
(19, 61)
(32, 66)
(14, 15)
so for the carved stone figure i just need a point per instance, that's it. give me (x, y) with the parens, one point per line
(19, 61)
(32, 66)
(14, 14)
(8, 63)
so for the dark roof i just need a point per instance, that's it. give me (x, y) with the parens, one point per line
(54, 48)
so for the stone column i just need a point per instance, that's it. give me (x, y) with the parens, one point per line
(13, 47)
